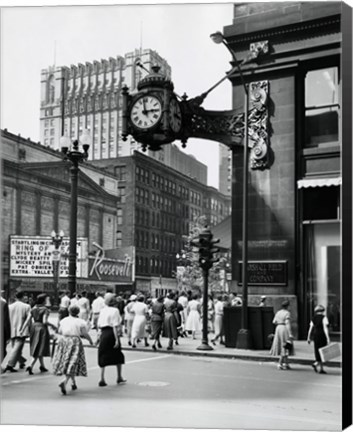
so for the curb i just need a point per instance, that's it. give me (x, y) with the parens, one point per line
(251, 357)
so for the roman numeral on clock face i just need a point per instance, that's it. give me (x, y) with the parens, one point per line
(146, 112)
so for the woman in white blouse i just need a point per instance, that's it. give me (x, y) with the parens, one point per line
(109, 347)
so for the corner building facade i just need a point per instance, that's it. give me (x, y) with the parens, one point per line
(294, 204)
(157, 205)
(133, 202)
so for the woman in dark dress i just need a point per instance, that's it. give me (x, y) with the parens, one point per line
(39, 338)
(170, 325)
(109, 347)
(318, 332)
(157, 318)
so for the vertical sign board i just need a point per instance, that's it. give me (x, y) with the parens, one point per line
(32, 256)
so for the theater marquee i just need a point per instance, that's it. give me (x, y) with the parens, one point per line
(32, 256)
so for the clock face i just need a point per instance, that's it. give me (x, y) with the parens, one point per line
(146, 112)
(174, 115)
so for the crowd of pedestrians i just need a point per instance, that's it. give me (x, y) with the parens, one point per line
(141, 319)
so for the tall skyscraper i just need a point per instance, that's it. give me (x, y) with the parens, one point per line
(89, 96)
(225, 170)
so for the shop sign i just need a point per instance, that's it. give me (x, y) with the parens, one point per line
(33, 256)
(112, 265)
(270, 273)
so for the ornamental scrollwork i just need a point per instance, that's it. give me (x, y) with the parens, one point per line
(228, 127)
(258, 125)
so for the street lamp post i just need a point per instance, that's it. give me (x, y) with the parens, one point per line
(56, 240)
(71, 152)
(243, 337)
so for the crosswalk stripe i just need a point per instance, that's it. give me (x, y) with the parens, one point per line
(37, 378)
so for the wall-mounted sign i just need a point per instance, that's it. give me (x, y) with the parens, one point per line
(32, 256)
(113, 265)
(271, 273)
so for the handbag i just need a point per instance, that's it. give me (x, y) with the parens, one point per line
(330, 352)
(288, 346)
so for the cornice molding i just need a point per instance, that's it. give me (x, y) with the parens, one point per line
(328, 25)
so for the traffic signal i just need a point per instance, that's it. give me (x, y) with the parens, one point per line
(206, 247)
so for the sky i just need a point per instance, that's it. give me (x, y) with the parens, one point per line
(32, 38)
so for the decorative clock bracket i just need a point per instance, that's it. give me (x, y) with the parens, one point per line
(227, 127)
(184, 118)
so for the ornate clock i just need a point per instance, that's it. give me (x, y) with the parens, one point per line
(146, 112)
(175, 116)
(153, 116)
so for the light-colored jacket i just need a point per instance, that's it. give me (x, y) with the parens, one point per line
(19, 312)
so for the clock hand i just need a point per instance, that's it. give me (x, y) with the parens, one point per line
(144, 111)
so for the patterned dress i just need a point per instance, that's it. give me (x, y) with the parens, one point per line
(69, 357)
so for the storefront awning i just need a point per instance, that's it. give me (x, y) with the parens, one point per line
(319, 182)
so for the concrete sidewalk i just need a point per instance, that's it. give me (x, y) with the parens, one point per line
(304, 353)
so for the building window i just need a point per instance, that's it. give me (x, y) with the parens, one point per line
(120, 216)
(120, 172)
(122, 194)
(119, 240)
(321, 106)
(312, 203)
(51, 89)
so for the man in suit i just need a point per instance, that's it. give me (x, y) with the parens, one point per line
(19, 311)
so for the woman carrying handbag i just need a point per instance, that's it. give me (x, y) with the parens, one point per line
(282, 344)
(318, 332)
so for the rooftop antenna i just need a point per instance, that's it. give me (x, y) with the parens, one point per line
(141, 35)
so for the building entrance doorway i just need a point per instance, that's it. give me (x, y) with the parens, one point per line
(323, 272)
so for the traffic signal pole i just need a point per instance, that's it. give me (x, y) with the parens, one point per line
(204, 344)
(206, 260)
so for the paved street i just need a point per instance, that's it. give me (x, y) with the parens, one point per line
(167, 390)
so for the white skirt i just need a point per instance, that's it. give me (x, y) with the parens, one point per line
(138, 329)
(193, 322)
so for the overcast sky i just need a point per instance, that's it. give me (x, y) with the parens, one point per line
(32, 38)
